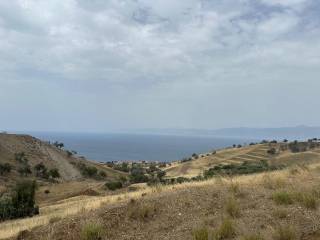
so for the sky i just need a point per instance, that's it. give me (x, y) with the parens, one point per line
(107, 65)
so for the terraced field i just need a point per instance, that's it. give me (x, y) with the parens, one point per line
(239, 155)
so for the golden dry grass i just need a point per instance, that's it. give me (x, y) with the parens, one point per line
(273, 181)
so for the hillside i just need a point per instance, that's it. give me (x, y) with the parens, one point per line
(252, 153)
(281, 205)
(23, 151)
(277, 205)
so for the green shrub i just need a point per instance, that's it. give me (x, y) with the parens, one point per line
(201, 234)
(5, 168)
(41, 170)
(137, 175)
(282, 198)
(87, 171)
(21, 203)
(113, 185)
(238, 169)
(24, 170)
(54, 173)
(20, 157)
(92, 231)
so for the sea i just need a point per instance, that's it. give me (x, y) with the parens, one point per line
(108, 147)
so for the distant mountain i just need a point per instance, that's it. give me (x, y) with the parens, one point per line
(291, 133)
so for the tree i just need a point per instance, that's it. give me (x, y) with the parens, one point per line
(41, 170)
(21, 202)
(24, 170)
(5, 168)
(54, 173)
(58, 144)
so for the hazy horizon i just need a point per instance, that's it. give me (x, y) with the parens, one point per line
(107, 66)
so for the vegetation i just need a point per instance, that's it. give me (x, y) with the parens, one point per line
(25, 170)
(226, 230)
(20, 203)
(113, 185)
(238, 169)
(5, 168)
(232, 208)
(282, 198)
(54, 173)
(20, 157)
(272, 151)
(252, 237)
(138, 175)
(141, 210)
(92, 231)
(41, 171)
(285, 233)
(201, 234)
(58, 144)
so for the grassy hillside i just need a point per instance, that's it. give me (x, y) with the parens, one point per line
(277, 205)
(253, 153)
(73, 179)
(281, 204)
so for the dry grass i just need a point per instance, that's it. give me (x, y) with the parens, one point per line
(141, 210)
(226, 230)
(282, 198)
(201, 234)
(76, 205)
(280, 213)
(285, 233)
(252, 237)
(92, 231)
(232, 208)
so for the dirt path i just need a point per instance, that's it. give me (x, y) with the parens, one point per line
(66, 169)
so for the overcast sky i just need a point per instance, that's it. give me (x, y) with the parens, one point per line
(103, 65)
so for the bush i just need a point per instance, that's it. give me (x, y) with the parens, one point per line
(24, 170)
(238, 169)
(282, 198)
(58, 145)
(272, 151)
(137, 175)
(41, 171)
(54, 173)
(20, 157)
(201, 234)
(113, 185)
(87, 171)
(102, 174)
(21, 203)
(5, 168)
(92, 231)
(124, 167)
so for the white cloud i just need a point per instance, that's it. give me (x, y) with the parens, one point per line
(151, 54)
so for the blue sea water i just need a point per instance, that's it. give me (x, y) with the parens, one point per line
(136, 147)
